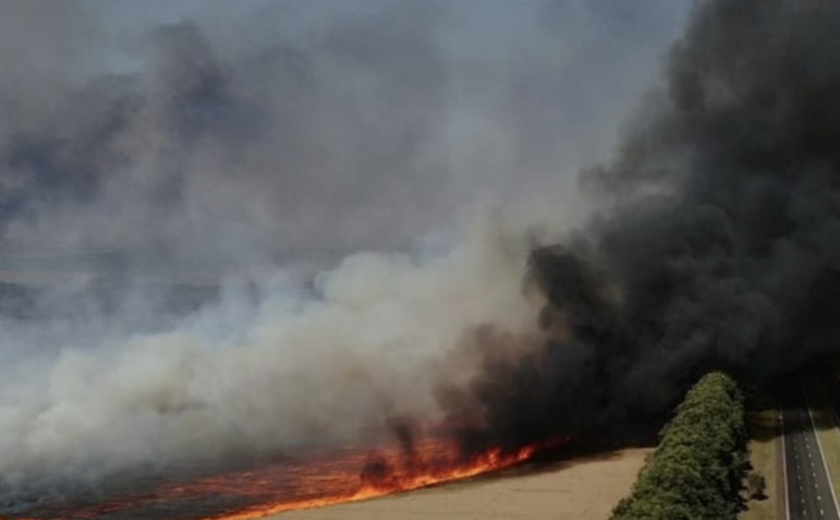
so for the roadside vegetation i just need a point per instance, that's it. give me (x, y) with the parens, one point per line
(763, 430)
(696, 471)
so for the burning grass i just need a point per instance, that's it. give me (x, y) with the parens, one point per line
(347, 475)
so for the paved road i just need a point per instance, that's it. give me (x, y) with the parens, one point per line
(809, 493)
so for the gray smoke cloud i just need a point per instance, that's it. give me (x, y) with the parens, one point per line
(220, 244)
(367, 133)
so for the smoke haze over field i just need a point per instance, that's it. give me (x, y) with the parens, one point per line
(422, 170)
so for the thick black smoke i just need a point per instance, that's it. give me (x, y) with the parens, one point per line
(718, 245)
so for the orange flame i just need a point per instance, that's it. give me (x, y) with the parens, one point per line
(305, 484)
(490, 461)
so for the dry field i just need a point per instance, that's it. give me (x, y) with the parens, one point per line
(583, 489)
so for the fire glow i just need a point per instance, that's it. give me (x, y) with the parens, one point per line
(378, 479)
(341, 476)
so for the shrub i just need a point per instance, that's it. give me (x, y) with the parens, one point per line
(756, 485)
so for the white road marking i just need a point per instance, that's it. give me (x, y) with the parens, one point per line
(784, 464)
(820, 451)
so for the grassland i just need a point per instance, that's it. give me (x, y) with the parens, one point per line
(763, 431)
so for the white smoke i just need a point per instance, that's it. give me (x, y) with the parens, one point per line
(254, 156)
(295, 367)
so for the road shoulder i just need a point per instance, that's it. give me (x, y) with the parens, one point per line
(765, 458)
(826, 426)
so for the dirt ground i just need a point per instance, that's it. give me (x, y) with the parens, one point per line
(583, 489)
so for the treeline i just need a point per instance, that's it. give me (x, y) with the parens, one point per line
(696, 471)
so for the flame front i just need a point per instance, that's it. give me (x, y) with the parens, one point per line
(436, 467)
(347, 475)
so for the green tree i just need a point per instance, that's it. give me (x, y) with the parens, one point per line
(695, 472)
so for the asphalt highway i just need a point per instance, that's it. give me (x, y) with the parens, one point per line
(809, 495)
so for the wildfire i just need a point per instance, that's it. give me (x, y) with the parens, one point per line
(347, 475)
(491, 461)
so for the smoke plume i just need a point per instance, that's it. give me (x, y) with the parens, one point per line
(708, 241)
(225, 239)
(715, 240)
